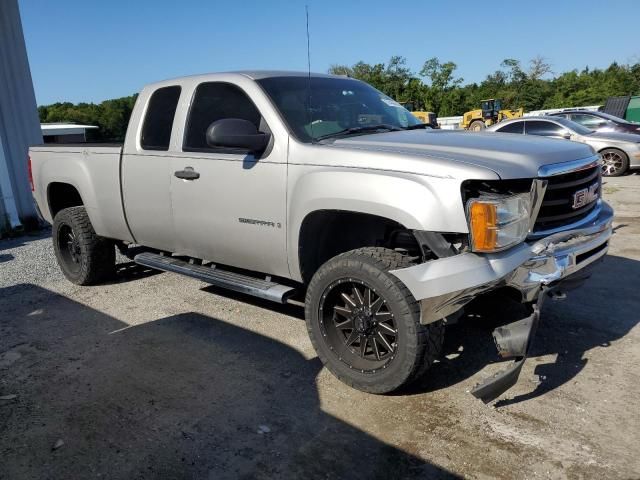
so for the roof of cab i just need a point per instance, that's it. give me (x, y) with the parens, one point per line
(261, 74)
(252, 74)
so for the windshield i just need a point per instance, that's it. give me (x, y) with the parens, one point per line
(613, 118)
(575, 127)
(337, 106)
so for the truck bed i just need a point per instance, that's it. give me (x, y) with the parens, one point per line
(93, 170)
(43, 147)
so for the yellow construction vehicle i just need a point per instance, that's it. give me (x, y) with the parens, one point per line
(490, 112)
(430, 118)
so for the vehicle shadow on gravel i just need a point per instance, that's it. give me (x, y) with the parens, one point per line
(130, 271)
(603, 310)
(187, 396)
(24, 239)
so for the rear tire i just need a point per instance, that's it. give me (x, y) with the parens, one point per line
(84, 257)
(371, 340)
(616, 162)
(477, 125)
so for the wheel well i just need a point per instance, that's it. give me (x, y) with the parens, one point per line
(61, 196)
(613, 148)
(327, 233)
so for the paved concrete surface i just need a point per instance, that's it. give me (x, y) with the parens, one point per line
(158, 376)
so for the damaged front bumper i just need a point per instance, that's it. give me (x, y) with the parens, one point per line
(446, 285)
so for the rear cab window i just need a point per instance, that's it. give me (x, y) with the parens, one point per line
(158, 120)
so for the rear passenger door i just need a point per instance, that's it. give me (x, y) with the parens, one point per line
(145, 172)
(234, 212)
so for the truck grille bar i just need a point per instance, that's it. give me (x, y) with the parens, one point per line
(561, 206)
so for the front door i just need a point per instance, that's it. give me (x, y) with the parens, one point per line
(229, 206)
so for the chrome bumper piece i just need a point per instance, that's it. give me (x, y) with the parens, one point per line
(444, 286)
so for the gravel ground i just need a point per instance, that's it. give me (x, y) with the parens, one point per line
(158, 376)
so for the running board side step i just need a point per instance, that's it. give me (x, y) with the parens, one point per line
(237, 282)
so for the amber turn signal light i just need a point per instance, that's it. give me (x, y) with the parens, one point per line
(483, 222)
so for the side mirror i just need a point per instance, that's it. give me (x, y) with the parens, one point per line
(236, 133)
(566, 135)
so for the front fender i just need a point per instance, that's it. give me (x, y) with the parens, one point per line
(414, 201)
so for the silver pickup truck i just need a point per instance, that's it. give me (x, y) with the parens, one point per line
(290, 186)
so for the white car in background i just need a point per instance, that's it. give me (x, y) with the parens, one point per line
(620, 151)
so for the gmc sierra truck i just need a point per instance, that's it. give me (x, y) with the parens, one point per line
(291, 186)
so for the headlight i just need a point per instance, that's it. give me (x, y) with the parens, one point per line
(498, 222)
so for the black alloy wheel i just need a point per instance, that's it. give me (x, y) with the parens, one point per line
(70, 252)
(84, 257)
(358, 325)
(364, 323)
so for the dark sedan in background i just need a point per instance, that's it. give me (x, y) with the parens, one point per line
(599, 121)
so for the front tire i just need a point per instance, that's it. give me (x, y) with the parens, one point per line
(365, 324)
(84, 257)
(477, 125)
(615, 162)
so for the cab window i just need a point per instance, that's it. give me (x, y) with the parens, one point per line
(214, 101)
(158, 121)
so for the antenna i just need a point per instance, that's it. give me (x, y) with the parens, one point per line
(308, 42)
(309, 115)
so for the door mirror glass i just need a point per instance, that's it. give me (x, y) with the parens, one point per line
(236, 133)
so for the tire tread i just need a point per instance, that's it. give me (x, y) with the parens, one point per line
(429, 338)
(98, 252)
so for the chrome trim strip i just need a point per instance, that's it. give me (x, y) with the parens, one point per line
(538, 189)
(569, 167)
(569, 226)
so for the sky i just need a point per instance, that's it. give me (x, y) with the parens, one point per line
(93, 50)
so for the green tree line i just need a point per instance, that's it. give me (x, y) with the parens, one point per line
(437, 87)
(111, 116)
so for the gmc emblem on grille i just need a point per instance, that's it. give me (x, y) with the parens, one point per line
(585, 196)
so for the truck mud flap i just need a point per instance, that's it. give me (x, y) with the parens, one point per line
(512, 341)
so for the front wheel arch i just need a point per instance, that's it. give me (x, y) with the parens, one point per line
(324, 234)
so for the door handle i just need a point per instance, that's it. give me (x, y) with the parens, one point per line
(187, 174)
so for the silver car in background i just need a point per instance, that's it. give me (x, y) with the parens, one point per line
(620, 151)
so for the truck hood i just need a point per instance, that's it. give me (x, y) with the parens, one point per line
(508, 155)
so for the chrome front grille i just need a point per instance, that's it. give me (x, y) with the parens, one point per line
(561, 205)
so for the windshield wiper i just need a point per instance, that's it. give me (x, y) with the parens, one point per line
(417, 127)
(356, 130)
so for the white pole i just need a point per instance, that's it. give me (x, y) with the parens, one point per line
(6, 191)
